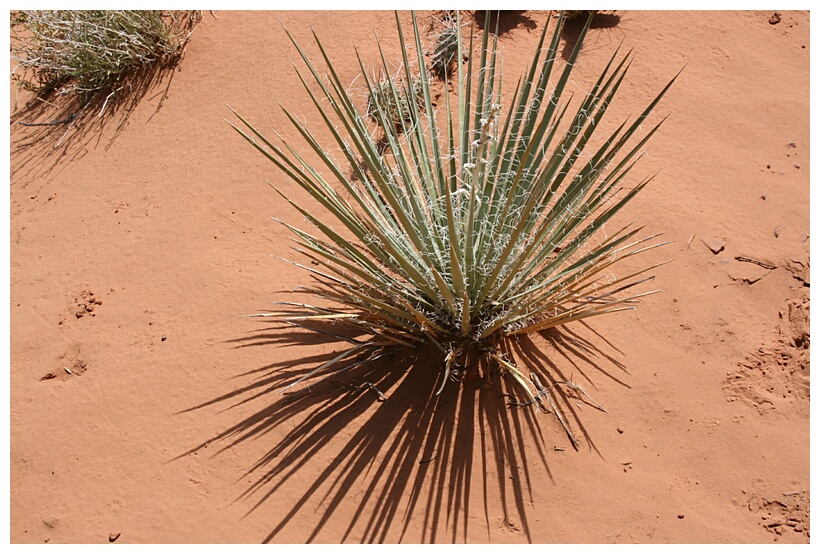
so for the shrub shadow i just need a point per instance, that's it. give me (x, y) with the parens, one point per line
(507, 20)
(572, 29)
(52, 129)
(442, 462)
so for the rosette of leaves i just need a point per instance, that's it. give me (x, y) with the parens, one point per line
(479, 223)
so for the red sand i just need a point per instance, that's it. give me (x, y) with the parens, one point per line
(167, 225)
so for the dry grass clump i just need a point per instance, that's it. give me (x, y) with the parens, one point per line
(577, 15)
(389, 101)
(446, 51)
(93, 51)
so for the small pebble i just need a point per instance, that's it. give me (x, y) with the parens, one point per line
(680, 516)
(113, 536)
(621, 430)
(763, 196)
(777, 232)
(163, 338)
(715, 245)
(50, 522)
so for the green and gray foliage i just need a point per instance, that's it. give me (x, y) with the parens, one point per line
(446, 51)
(477, 223)
(93, 50)
(392, 96)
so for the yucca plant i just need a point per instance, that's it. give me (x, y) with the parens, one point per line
(474, 225)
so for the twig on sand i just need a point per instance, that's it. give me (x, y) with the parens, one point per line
(764, 265)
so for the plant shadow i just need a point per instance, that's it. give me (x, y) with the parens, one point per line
(378, 446)
(53, 129)
(506, 20)
(572, 29)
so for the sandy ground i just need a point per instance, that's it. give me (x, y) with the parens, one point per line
(136, 252)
